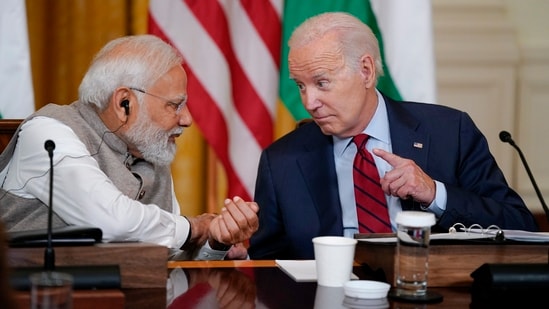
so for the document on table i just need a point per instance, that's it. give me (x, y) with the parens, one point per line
(301, 270)
(519, 235)
(474, 234)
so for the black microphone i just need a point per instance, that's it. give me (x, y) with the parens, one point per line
(49, 253)
(49, 145)
(84, 277)
(505, 137)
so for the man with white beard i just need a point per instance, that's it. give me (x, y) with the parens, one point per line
(113, 149)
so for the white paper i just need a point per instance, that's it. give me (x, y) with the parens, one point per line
(301, 270)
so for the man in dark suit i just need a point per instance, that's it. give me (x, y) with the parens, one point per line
(429, 157)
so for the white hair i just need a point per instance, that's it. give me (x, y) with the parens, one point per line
(355, 37)
(130, 61)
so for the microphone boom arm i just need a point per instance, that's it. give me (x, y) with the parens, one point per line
(538, 192)
(49, 253)
(505, 137)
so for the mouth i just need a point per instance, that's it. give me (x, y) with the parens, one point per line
(174, 136)
(321, 119)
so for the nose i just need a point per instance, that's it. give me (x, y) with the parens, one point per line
(185, 118)
(310, 101)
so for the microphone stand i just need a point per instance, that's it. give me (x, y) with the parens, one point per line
(49, 253)
(505, 137)
(85, 277)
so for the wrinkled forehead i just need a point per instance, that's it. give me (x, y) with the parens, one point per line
(315, 57)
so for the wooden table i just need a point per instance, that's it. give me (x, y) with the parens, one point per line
(248, 284)
(143, 273)
(260, 284)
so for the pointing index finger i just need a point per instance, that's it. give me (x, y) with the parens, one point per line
(391, 158)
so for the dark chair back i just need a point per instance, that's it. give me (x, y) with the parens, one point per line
(7, 129)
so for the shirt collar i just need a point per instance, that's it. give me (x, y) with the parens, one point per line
(378, 127)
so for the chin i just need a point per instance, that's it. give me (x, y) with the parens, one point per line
(165, 157)
(327, 130)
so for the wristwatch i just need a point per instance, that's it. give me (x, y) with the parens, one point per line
(216, 245)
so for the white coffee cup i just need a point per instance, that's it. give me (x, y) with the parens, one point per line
(334, 256)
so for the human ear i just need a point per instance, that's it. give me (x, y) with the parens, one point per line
(368, 71)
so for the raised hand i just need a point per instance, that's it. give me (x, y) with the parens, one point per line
(406, 180)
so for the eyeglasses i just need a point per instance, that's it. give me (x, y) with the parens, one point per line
(176, 106)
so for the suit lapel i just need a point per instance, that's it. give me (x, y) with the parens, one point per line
(317, 167)
(407, 138)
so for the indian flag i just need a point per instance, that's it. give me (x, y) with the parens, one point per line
(235, 56)
(16, 91)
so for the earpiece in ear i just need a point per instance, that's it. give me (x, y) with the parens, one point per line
(126, 105)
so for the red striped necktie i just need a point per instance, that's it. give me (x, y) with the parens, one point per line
(371, 205)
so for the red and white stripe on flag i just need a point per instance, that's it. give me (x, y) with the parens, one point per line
(231, 51)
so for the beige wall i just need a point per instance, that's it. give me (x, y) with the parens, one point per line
(529, 19)
(493, 62)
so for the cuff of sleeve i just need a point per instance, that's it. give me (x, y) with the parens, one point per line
(207, 253)
(438, 206)
(183, 226)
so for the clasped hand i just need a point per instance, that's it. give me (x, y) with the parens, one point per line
(235, 224)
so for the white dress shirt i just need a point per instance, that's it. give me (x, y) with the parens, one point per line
(83, 194)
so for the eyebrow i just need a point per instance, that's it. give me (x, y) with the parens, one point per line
(319, 75)
(180, 99)
(314, 77)
(183, 97)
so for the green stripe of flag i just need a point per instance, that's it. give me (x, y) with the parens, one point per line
(295, 12)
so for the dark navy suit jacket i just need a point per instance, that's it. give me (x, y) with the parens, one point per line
(297, 191)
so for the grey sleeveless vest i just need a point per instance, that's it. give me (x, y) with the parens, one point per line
(136, 178)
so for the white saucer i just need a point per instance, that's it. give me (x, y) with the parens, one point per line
(367, 289)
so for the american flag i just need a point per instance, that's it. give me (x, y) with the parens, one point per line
(231, 52)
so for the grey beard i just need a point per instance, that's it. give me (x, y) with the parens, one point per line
(152, 142)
